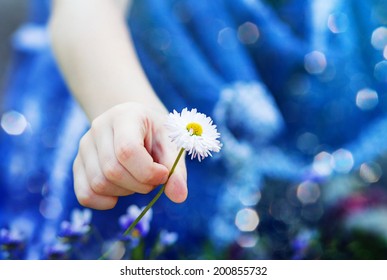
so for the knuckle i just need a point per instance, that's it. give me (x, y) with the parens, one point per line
(145, 189)
(112, 170)
(124, 151)
(99, 185)
(147, 178)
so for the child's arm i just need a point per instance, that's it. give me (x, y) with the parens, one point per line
(92, 44)
(126, 149)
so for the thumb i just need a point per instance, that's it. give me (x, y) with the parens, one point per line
(166, 154)
(176, 188)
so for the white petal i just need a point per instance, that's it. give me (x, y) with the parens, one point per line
(196, 146)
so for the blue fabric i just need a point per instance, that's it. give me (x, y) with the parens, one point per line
(282, 79)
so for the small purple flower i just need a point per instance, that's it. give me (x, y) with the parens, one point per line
(58, 251)
(168, 238)
(79, 225)
(141, 229)
(165, 240)
(10, 239)
(12, 243)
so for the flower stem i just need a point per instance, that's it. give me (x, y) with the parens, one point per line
(131, 227)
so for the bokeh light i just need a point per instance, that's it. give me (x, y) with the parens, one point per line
(342, 161)
(50, 208)
(322, 163)
(13, 123)
(226, 38)
(370, 172)
(367, 99)
(247, 219)
(249, 198)
(247, 240)
(248, 33)
(379, 38)
(315, 62)
(308, 192)
(337, 22)
(380, 71)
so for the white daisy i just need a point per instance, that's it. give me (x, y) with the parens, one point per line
(194, 132)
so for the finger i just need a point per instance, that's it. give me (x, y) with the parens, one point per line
(131, 153)
(166, 153)
(96, 179)
(85, 194)
(111, 168)
(176, 188)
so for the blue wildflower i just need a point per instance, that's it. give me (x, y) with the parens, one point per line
(141, 229)
(11, 242)
(79, 225)
(168, 238)
(165, 240)
(10, 238)
(58, 251)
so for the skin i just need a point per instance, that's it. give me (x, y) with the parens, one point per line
(126, 150)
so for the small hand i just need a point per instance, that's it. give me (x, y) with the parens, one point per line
(126, 151)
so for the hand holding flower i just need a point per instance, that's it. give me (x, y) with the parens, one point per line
(126, 151)
(192, 132)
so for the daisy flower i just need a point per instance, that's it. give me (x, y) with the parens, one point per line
(194, 132)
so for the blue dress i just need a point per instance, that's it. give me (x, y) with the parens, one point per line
(298, 92)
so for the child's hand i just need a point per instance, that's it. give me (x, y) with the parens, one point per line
(125, 151)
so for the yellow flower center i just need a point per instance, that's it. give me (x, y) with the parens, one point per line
(195, 129)
(136, 233)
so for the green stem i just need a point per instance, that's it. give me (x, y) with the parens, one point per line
(131, 227)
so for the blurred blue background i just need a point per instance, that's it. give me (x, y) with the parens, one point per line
(298, 90)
